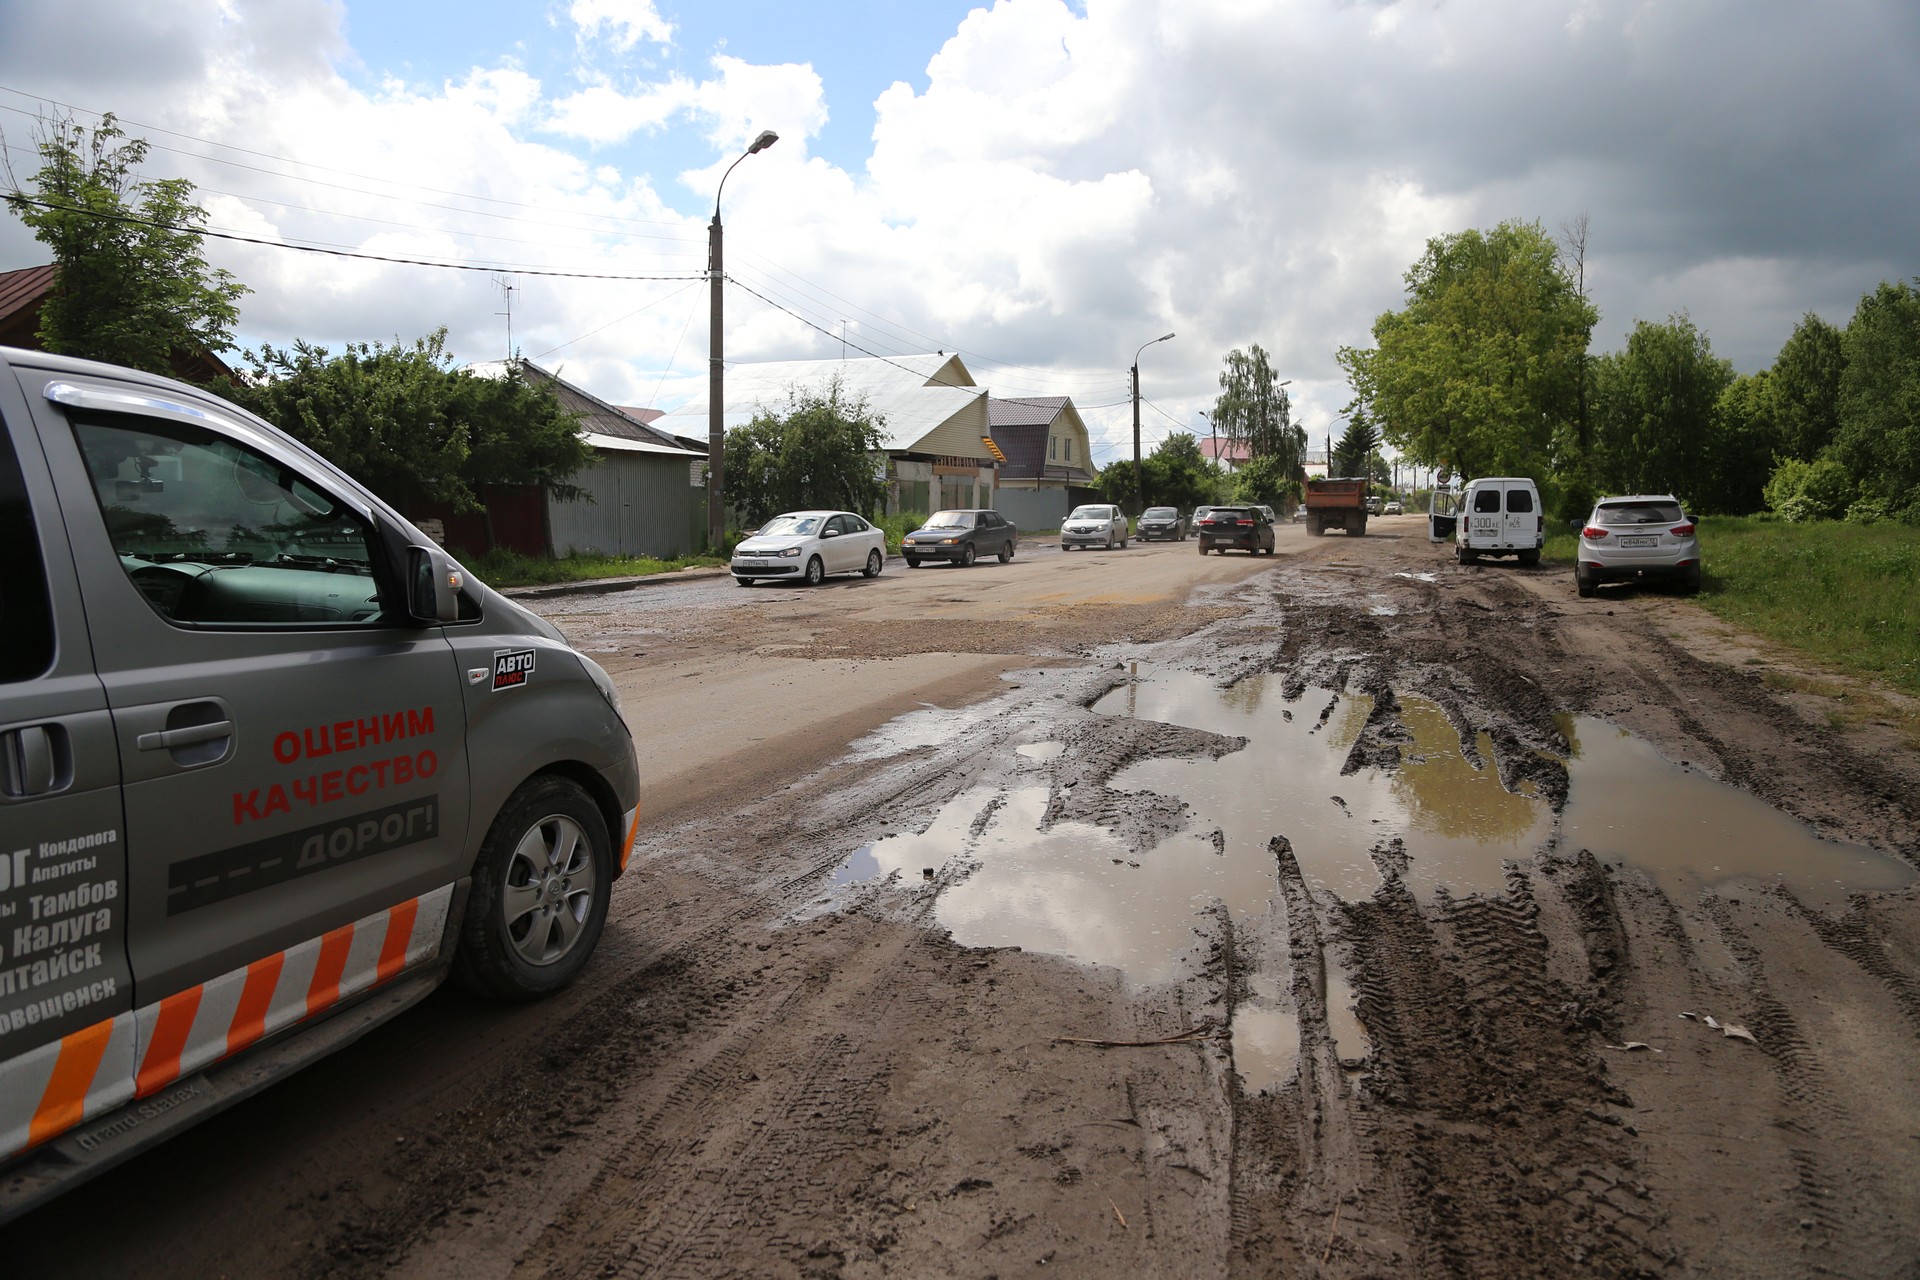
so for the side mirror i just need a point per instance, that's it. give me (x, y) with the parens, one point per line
(829, 533)
(433, 586)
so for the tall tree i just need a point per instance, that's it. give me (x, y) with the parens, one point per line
(1805, 388)
(133, 285)
(1745, 439)
(1479, 373)
(1653, 410)
(1356, 446)
(819, 453)
(410, 426)
(1879, 436)
(1253, 409)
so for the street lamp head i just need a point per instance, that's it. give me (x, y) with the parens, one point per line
(1163, 337)
(766, 139)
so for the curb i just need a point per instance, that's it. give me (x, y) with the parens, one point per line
(603, 586)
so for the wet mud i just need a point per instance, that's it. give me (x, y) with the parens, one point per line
(1369, 916)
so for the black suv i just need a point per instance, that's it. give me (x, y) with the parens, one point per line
(960, 537)
(1244, 527)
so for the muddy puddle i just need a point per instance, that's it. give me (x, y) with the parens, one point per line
(1629, 804)
(1079, 890)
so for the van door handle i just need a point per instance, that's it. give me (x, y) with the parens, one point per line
(35, 761)
(168, 739)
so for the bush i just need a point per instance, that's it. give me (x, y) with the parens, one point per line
(1867, 511)
(1569, 498)
(1819, 490)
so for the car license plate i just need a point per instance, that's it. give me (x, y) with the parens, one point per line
(1639, 542)
(753, 564)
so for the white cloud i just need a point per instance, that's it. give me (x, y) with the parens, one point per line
(1072, 181)
(627, 21)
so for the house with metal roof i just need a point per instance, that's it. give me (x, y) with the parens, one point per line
(936, 436)
(643, 492)
(1049, 461)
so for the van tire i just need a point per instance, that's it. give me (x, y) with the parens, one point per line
(1466, 555)
(548, 817)
(1531, 556)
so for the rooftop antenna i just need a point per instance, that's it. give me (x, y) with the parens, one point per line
(507, 287)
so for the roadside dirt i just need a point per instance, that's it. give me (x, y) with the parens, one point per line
(777, 1066)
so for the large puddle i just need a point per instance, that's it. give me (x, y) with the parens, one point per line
(1077, 890)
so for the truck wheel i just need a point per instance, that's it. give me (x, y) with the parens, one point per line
(1360, 530)
(1314, 527)
(540, 891)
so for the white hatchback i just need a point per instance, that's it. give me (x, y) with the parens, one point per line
(809, 545)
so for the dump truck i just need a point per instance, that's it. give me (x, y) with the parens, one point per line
(1337, 504)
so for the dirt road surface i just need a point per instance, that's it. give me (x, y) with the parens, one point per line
(1342, 913)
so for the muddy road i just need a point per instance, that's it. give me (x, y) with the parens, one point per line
(1341, 913)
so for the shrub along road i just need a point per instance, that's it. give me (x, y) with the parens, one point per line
(1397, 1066)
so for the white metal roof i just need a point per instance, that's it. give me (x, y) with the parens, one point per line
(621, 444)
(899, 388)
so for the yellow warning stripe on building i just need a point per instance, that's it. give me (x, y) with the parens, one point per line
(47, 1091)
(993, 449)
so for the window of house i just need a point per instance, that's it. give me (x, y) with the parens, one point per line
(1053, 448)
(1069, 443)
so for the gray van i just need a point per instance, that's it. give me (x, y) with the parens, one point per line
(271, 767)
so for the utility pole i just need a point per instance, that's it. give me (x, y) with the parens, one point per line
(1139, 484)
(716, 361)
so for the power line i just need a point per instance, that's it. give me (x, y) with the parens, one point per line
(811, 325)
(343, 253)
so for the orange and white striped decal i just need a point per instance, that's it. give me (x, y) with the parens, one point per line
(633, 829)
(48, 1090)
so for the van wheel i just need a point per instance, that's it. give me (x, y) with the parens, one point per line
(1464, 556)
(540, 893)
(1531, 556)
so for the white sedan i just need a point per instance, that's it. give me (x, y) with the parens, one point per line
(1098, 525)
(809, 545)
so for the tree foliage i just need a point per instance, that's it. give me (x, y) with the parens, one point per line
(411, 427)
(1878, 439)
(1357, 446)
(1175, 474)
(1480, 372)
(1653, 407)
(133, 286)
(1252, 409)
(821, 452)
(1804, 388)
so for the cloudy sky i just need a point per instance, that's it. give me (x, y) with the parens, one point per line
(1042, 186)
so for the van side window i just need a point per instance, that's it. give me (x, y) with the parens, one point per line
(1519, 501)
(213, 533)
(1486, 501)
(26, 611)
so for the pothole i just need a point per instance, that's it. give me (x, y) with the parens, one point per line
(1629, 804)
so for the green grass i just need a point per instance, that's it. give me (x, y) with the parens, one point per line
(1847, 596)
(511, 569)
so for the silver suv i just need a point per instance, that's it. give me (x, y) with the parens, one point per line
(1637, 538)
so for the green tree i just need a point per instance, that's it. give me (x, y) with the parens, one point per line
(1178, 474)
(1653, 408)
(1879, 436)
(821, 452)
(1745, 439)
(1805, 388)
(1253, 409)
(411, 427)
(1480, 372)
(133, 285)
(1378, 469)
(1266, 481)
(1359, 442)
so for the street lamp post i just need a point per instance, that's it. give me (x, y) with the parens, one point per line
(716, 379)
(1139, 486)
